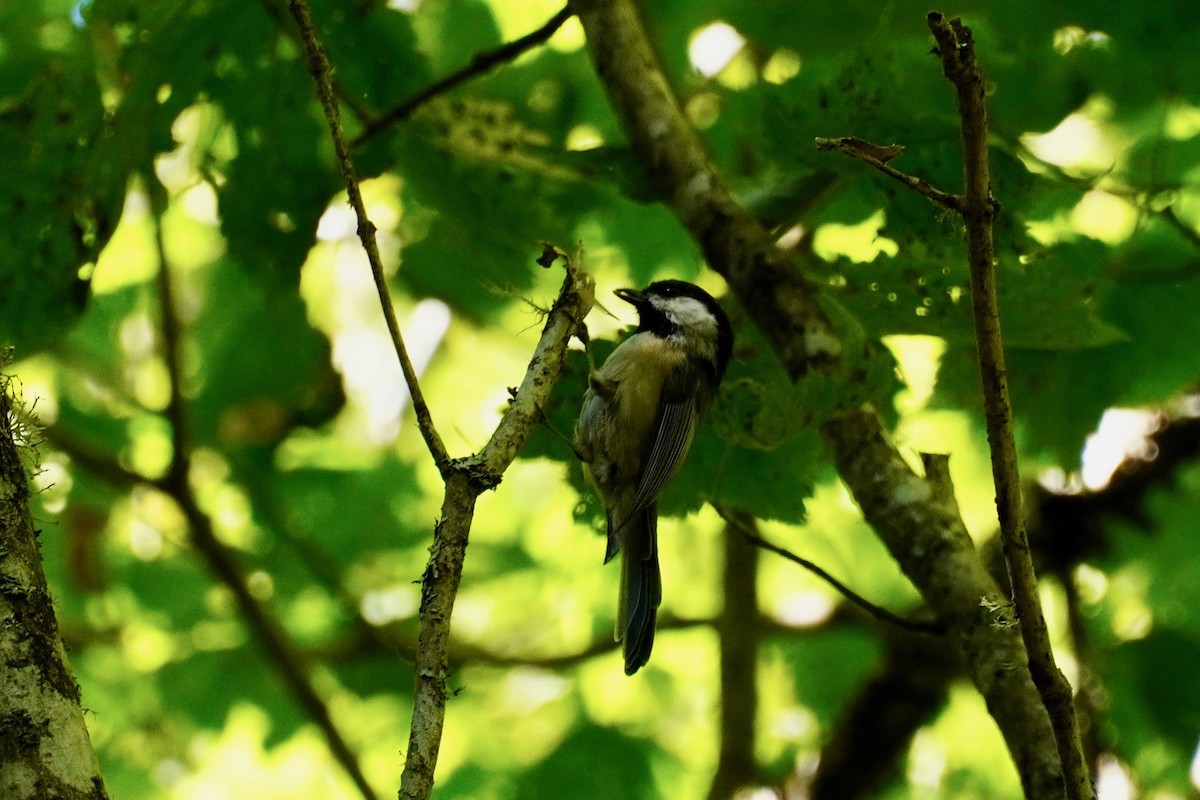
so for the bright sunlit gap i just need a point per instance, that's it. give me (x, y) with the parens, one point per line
(1059, 481)
(584, 137)
(918, 358)
(1072, 37)
(926, 761)
(1122, 434)
(1091, 583)
(804, 608)
(1182, 121)
(1105, 217)
(381, 606)
(861, 242)
(783, 65)
(338, 285)
(1132, 618)
(1194, 772)
(758, 793)
(1112, 780)
(712, 48)
(1078, 142)
(366, 359)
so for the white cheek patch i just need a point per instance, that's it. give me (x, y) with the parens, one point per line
(686, 312)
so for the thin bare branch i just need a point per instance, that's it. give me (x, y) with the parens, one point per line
(602, 646)
(749, 531)
(318, 66)
(869, 742)
(480, 63)
(956, 48)
(360, 110)
(878, 157)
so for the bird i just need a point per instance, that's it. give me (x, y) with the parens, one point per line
(639, 416)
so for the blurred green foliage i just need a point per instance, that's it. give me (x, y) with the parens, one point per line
(314, 474)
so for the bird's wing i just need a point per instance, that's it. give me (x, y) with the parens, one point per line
(672, 436)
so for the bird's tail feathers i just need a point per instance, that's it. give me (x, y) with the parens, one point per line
(641, 587)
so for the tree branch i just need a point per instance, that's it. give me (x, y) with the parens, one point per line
(45, 749)
(480, 63)
(956, 48)
(360, 110)
(878, 157)
(268, 632)
(466, 479)
(925, 535)
(602, 646)
(318, 67)
(747, 528)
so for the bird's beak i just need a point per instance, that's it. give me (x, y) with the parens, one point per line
(632, 296)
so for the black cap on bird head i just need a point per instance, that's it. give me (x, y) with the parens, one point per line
(651, 304)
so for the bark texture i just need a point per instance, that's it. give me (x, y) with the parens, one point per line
(45, 750)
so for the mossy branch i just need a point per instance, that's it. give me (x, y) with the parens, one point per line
(45, 749)
(466, 479)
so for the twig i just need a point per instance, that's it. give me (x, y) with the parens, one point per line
(956, 48)
(878, 157)
(466, 479)
(318, 66)
(480, 63)
(268, 633)
(926, 536)
(100, 465)
(747, 528)
(360, 110)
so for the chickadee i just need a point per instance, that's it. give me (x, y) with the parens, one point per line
(639, 414)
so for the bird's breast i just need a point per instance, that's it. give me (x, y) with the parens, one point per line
(620, 411)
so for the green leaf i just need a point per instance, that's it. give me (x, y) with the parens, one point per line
(833, 662)
(374, 48)
(1173, 706)
(479, 218)
(453, 32)
(62, 189)
(1051, 302)
(591, 762)
(205, 686)
(259, 366)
